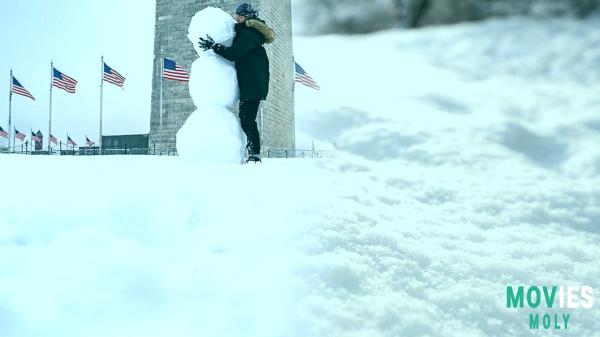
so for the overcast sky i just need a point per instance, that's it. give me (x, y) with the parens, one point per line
(74, 34)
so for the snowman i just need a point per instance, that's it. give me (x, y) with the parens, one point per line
(212, 133)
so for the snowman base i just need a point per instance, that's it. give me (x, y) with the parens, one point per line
(211, 135)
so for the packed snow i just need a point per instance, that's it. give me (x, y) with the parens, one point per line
(466, 161)
(212, 134)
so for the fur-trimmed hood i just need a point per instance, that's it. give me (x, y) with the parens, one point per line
(262, 28)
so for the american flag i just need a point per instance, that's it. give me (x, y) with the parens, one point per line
(20, 136)
(17, 88)
(35, 138)
(63, 81)
(304, 78)
(53, 139)
(70, 141)
(88, 142)
(3, 133)
(172, 71)
(112, 76)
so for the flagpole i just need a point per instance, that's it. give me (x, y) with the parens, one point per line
(50, 109)
(101, 92)
(10, 110)
(162, 66)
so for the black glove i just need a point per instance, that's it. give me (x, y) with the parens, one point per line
(206, 44)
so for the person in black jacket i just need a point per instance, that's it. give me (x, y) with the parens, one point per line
(252, 66)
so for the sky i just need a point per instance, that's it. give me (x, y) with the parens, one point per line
(74, 35)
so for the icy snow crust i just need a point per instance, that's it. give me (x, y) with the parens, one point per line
(212, 133)
(473, 164)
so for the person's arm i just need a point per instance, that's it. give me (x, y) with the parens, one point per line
(241, 47)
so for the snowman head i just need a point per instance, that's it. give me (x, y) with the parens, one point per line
(214, 22)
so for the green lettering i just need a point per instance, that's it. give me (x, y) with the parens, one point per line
(566, 319)
(546, 321)
(534, 321)
(549, 297)
(512, 300)
(538, 298)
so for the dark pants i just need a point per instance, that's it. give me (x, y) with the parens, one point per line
(248, 112)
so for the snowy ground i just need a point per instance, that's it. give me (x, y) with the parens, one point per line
(467, 161)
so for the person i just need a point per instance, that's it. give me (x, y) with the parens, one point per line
(252, 66)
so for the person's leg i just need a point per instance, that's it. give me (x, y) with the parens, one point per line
(248, 112)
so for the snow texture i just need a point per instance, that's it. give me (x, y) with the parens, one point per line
(212, 133)
(475, 155)
(458, 172)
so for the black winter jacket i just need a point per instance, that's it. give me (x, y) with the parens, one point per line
(250, 57)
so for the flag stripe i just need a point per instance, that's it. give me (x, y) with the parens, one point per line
(65, 87)
(68, 79)
(176, 75)
(308, 83)
(22, 92)
(114, 77)
(306, 80)
(113, 81)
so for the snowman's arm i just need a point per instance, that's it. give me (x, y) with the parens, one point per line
(239, 49)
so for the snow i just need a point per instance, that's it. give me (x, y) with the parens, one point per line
(465, 162)
(212, 134)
